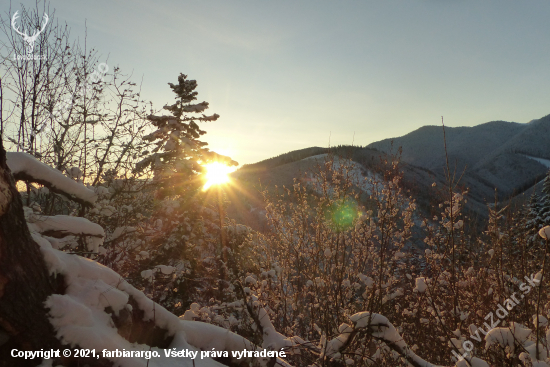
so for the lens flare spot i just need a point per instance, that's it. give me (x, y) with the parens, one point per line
(343, 214)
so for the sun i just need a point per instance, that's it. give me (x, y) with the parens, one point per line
(216, 174)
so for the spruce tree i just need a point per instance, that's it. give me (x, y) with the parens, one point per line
(179, 154)
(176, 250)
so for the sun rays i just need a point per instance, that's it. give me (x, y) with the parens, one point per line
(216, 174)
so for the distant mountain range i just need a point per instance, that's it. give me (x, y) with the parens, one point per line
(508, 157)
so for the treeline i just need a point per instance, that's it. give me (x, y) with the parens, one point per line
(357, 153)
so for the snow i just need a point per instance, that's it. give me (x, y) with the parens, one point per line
(272, 339)
(368, 281)
(250, 280)
(66, 225)
(319, 157)
(543, 321)
(545, 232)
(199, 107)
(191, 314)
(421, 285)
(147, 274)
(506, 336)
(80, 319)
(335, 344)
(75, 172)
(532, 350)
(474, 362)
(79, 316)
(538, 278)
(165, 269)
(363, 179)
(25, 164)
(119, 231)
(238, 229)
(382, 329)
(542, 161)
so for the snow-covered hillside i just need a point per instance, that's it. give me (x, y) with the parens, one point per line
(506, 156)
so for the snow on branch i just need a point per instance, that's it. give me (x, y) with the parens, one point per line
(271, 338)
(82, 317)
(64, 225)
(376, 325)
(25, 167)
(161, 121)
(380, 328)
(213, 117)
(198, 107)
(207, 337)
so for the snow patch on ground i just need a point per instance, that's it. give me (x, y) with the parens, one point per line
(368, 181)
(545, 162)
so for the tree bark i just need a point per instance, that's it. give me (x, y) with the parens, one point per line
(24, 280)
(25, 284)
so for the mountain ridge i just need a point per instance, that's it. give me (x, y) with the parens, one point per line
(496, 157)
(495, 154)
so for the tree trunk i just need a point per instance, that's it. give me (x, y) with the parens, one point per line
(24, 280)
(25, 284)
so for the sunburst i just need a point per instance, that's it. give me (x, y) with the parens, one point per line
(216, 174)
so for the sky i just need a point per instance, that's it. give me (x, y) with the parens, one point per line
(291, 74)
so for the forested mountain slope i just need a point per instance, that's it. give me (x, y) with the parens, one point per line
(508, 157)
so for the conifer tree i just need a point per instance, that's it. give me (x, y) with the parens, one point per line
(179, 243)
(178, 151)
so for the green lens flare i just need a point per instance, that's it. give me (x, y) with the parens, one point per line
(342, 214)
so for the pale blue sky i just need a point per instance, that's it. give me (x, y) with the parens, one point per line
(287, 74)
